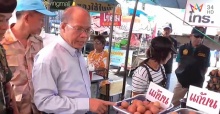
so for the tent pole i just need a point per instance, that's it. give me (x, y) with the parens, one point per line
(127, 49)
(110, 41)
(109, 57)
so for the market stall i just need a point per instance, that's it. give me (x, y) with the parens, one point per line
(199, 101)
(157, 100)
(138, 44)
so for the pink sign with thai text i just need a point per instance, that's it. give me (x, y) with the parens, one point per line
(203, 100)
(158, 93)
(106, 19)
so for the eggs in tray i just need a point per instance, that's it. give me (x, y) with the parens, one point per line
(141, 107)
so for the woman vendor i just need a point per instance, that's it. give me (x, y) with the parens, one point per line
(98, 57)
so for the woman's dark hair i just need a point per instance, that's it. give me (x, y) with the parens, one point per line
(100, 38)
(7, 6)
(159, 49)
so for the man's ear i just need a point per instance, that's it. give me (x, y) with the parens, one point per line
(62, 27)
(26, 17)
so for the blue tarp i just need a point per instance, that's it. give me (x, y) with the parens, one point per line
(94, 13)
(138, 12)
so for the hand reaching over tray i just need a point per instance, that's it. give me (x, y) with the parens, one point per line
(99, 106)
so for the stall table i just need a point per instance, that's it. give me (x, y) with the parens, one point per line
(96, 79)
(115, 87)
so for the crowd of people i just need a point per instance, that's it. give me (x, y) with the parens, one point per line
(54, 79)
(193, 61)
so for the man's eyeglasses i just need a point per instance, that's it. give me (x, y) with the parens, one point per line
(198, 36)
(80, 29)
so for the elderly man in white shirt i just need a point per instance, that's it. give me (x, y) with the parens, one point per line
(60, 77)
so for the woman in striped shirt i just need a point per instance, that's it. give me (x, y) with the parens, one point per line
(152, 69)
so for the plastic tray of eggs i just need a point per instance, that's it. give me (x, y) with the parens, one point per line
(139, 105)
(186, 111)
(214, 82)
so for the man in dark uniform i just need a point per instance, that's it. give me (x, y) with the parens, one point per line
(169, 65)
(7, 101)
(194, 60)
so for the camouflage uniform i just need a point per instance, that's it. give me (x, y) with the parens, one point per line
(20, 61)
(5, 76)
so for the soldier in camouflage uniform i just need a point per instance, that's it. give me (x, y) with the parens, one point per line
(6, 94)
(5, 76)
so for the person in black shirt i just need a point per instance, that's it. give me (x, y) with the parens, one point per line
(168, 66)
(193, 61)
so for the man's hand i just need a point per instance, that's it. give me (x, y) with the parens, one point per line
(12, 98)
(99, 106)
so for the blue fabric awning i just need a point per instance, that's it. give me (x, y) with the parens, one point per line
(138, 12)
(94, 13)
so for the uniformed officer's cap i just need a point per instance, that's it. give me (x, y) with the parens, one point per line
(167, 25)
(198, 31)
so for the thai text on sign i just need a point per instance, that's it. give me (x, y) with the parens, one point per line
(90, 5)
(158, 96)
(158, 93)
(106, 19)
(94, 6)
(203, 100)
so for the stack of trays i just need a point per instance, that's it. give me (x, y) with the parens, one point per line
(186, 111)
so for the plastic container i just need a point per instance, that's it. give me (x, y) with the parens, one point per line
(187, 111)
(138, 97)
(183, 103)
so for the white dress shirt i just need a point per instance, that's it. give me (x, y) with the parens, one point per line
(48, 38)
(60, 79)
